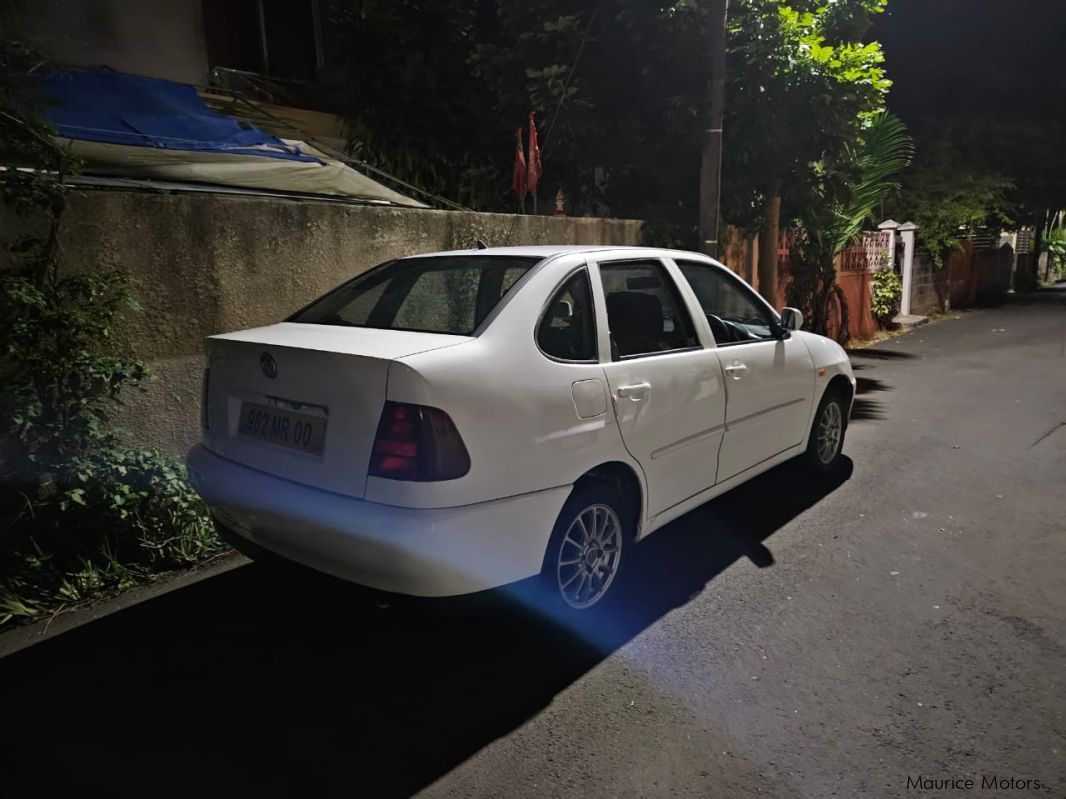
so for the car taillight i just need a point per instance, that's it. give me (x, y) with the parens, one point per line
(417, 443)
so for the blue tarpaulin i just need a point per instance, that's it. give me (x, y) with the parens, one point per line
(114, 108)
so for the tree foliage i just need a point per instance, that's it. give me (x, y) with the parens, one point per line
(885, 293)
(78, 512)
(619, 88)
(987, 77)
(414, 107)
(802, 83)
(1053, 242)
(946, 197)
(616, 88)
(849, 191)
(58, 378)
(858, 183)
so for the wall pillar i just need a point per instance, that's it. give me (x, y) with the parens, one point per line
(890, 226)
(908, 232)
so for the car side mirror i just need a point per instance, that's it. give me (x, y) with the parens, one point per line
(791, 318)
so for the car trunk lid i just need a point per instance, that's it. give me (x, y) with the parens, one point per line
(303, 401)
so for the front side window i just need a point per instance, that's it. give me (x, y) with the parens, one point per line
(644, 310)
(437, 294)
(567, 330)
(734, 315)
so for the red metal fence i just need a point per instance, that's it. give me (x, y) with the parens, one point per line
(855, 268)
(979, 272)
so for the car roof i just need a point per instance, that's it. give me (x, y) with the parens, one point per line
(551, 250)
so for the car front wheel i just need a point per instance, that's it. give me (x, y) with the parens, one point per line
(827, 434)
(589, 549)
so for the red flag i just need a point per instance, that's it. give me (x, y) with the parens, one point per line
(535, 168)
(518, 181)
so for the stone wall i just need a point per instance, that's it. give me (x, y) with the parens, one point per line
(205, 264)
(928, 286)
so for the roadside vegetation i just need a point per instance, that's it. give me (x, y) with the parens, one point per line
(948, 199)
(79, 510)
(1054, 245)
(886, 290)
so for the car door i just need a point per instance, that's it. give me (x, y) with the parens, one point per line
(667, 388)
(769, 375)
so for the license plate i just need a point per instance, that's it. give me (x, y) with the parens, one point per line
(299, 431)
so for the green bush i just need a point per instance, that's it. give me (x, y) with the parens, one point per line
(1055, 247)
(78, 511)
(887, 290)
(105, 520)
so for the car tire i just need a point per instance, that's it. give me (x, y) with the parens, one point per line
(582, 575)
(827, 432)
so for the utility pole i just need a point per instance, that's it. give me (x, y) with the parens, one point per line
(711, 165)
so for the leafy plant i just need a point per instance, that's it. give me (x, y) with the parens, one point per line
(1055, 246)
(79, 512)
(1053, 243)
(871, 168)
(886, 290)
(946, 197)
(109, 519)
(851, 190)
(60, 383)
(802, 83)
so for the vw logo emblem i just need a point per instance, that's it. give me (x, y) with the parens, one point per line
(268, 365)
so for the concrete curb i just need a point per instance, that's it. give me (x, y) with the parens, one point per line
(911, 320)
(71, 618)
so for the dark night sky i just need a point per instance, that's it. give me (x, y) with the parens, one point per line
(955, 57)
(991, 75)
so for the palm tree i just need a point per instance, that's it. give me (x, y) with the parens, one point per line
(850, 196)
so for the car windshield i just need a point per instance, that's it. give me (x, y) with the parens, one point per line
(437, 294)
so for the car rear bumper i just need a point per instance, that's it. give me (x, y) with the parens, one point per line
(419, 552)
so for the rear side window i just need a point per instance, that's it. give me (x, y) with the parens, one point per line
(568, 329)
(439, 294)
(644, 310)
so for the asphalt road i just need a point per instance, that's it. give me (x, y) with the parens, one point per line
(904, 618)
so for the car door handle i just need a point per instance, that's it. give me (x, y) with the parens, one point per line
(635, 392)
(736, 370)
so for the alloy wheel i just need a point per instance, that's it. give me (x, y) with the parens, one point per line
(589, 556)
(830, 429)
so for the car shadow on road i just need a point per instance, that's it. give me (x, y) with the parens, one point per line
(266, 683)
(880, 354)
(865, 408)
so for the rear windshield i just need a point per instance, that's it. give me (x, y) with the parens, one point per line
(438, 294)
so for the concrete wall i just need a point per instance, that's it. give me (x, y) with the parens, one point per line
(928, 286)
(156, 38)
(204, 264)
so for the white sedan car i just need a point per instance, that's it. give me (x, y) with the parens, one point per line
(449, 423)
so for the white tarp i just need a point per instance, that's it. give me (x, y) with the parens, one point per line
(331, 177)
